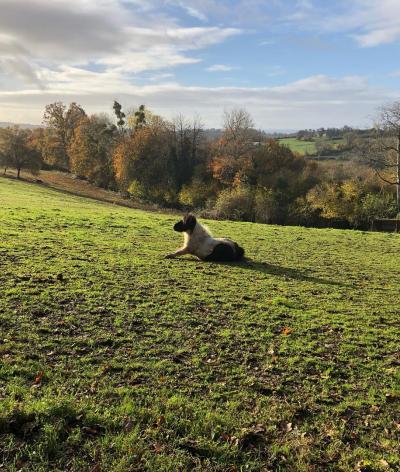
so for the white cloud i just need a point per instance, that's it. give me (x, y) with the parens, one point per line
(52, 36)
(311, 102)
(369, 22)
(220, 68)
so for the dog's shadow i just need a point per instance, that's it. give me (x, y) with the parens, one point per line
(287, 272)
(279, 271)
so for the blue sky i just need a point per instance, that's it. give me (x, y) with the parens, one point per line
(291, 63)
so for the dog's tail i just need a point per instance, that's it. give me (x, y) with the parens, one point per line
(239, 252)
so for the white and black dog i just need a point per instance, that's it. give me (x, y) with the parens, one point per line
(200, 243)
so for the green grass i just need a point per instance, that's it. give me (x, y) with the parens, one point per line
(306, 147)
(115, 359)
(297, 145)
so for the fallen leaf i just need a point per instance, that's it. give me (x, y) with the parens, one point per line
(158, 448)
(286, 331)
(38, 378)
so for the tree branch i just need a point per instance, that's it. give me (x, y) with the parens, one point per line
(385, 180)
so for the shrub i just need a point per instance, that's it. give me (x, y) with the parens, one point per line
(267, 206)
(235, 203)
(196, 194)
(378, 206)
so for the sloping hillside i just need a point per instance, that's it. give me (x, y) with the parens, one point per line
(115, 359)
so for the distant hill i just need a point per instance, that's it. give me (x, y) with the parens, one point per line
(215, 133)
(5, 124)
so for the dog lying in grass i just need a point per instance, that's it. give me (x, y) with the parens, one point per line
(199, 242)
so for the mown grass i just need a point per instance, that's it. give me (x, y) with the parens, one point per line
(115, 359)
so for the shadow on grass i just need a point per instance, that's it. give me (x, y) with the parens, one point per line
(265, 268)
(280, 271)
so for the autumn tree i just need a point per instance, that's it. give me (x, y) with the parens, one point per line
(142, 163)
(90, 150)
(60, 124)
(18, 151)
(230, 154)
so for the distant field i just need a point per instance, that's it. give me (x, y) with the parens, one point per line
(115, 359)
(306, 147)
(296, 145)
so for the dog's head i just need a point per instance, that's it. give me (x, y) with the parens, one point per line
(187, 224)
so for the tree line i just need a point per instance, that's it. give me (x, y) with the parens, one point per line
(238, 174)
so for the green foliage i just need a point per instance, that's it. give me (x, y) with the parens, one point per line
(117, 107)
(378, 206)
(351, 200)
(197, 193)
(285, 362)
(61, 123)
(267, 206)
(18, 151)
(236, 203)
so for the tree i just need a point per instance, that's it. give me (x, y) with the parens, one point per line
(140, 117)
(117, 107)
(61, 123)
(142, 163)
(382, 151)
(231, 153)
(18, 150)
(90, 150)
(3, 161)
(323, 146)
(185, 142)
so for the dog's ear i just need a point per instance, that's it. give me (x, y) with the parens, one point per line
(190, 221)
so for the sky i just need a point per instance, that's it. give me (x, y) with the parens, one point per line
(293, 64)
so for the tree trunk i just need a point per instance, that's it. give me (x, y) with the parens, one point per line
(18, 172)
(5, 170)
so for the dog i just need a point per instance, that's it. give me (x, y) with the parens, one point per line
(199, 242)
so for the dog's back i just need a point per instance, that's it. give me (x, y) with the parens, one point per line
(225, 250)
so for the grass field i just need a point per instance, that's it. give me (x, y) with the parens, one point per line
(297, 145)
(305, 147)
(115, 359)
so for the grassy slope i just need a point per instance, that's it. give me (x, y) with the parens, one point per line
(287, 362)
(65, 182)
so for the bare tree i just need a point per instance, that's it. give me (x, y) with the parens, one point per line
(237, 124)
(382, 150)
